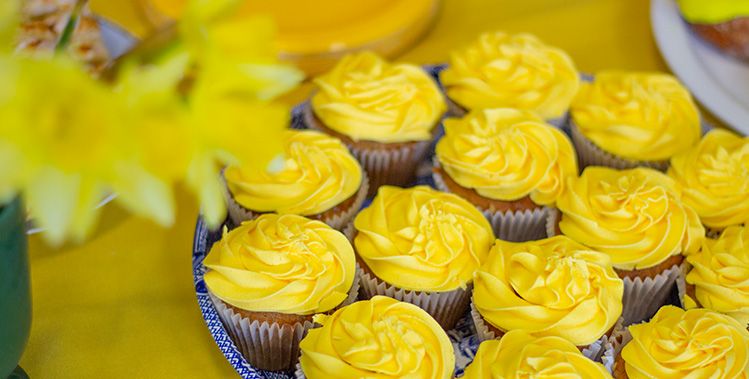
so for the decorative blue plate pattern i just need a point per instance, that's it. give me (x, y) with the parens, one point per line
(463, 337)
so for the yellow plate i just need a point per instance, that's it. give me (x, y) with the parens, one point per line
(315, 34)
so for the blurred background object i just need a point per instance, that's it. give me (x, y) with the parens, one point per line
(311, 34)
(719, 81)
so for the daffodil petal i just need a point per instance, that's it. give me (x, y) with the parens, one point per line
(203, 178)
(144, 194)
(85, 211)
(10, 11)
(51, 196)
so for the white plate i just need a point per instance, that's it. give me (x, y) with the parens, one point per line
(719, 82)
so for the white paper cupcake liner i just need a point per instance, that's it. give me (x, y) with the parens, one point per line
(386, 166)
(595, 351)
(446, 307)
(591, 155)
(552, 215)
(516, 226)
(642, 298)
(453, 109)
(269, 346)
(349, 231)
(681, 288)
(391, 166)
(338, 220)
(608, 354)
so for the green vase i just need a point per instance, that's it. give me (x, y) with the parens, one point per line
(15, 293)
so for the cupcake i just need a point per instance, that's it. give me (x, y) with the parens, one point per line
(387, 114)
(500, 70)
(421, 246)
(714, 176)
(722, 23)
(269, 276)
(719, 279)
(551, 287)
(630, 119)
(521, 355)
(318, 178)
(677, 344)
(378, 338)
(509, 164)
(635, 216)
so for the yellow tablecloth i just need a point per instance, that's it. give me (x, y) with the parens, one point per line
(123, 303)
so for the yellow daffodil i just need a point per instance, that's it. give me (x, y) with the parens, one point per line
(66, 139)
(9, 16)
(63, 139)
(231, 116)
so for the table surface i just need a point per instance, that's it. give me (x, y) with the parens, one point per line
(123, 304)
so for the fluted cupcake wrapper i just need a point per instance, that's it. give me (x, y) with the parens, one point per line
(601, 350)
(384, 163)
(336, 220)
(552, 216)
(591, 155)
(608, 353)
(445, 307)
(516, 226)
(391, 166)
(266, 345)
(643, 297)
(456, 111)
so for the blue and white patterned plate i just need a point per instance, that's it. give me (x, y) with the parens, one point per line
(463, 337)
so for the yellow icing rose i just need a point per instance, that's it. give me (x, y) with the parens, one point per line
(317, 174)
(549, 287)
(366, 98)
(636, 216)
(378, 338)
(715, 178)
(520, 355)
(285, 264)
(421, 239)
(720, 273)
(638, 116)
(514, 71)
(507, 154)
(687, 344)
(713, 11)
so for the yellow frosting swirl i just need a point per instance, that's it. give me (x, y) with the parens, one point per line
(520, 355)
(715, 178)
(636, 216)
(515, 71)
(721, 273)
(507, 154)
(317, 174)
(366, 98)
(421, 239)
(638, 116)
(687, 344)
(713, 11)
(378, 338)
(281, 263)
(549, 287)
